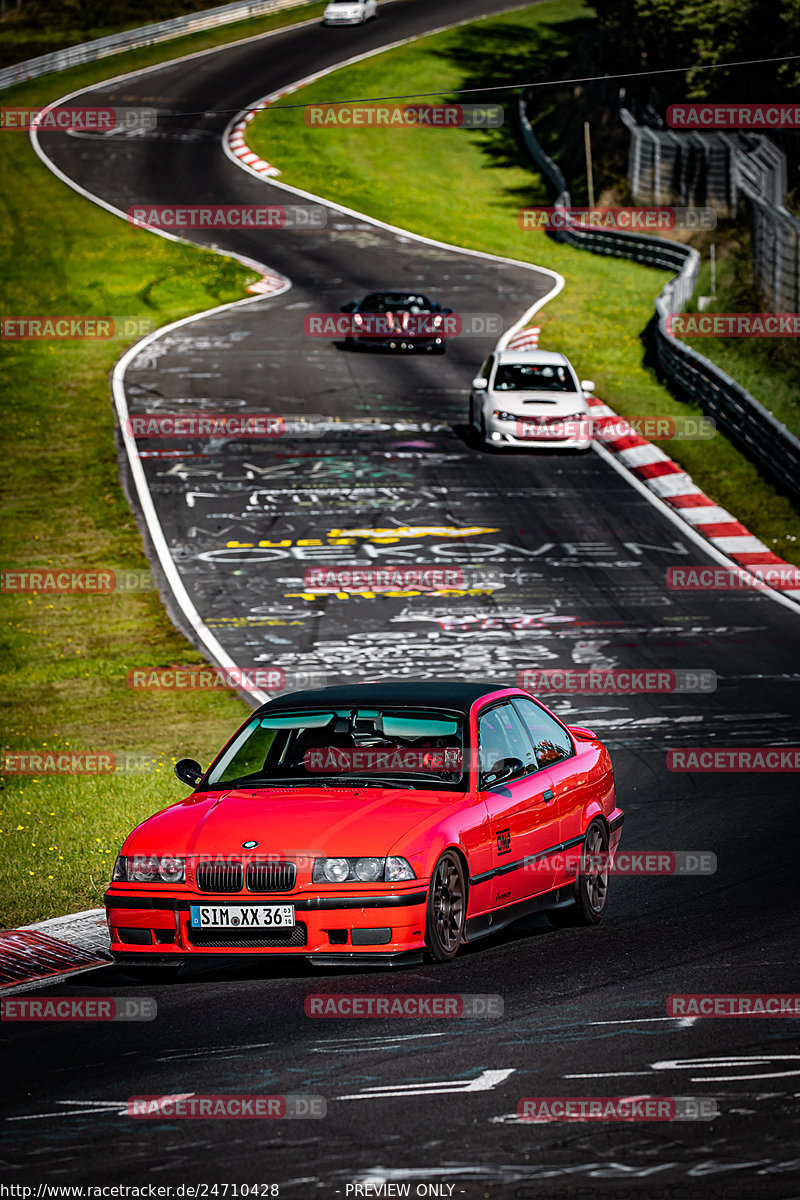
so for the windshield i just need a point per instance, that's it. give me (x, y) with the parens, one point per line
(379, 302)
(533, 377)
(335, 747)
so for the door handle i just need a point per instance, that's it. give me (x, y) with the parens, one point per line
(547, 796)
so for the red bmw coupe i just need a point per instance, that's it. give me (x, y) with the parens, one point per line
(373, 823)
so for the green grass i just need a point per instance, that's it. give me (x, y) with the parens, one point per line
(768, 367)
(66, 658)
(466, 188)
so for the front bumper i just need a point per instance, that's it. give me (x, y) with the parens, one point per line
(506, 433)
(155, 929)
(334, 20)
(401, 342)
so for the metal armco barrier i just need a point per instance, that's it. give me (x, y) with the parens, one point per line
(145, 35)
(763, 438)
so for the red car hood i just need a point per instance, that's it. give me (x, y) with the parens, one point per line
(289, 821)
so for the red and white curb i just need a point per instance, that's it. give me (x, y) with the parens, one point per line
(239, 147)
(672, 485)
(268, 285)
(37, 955)
(524, 339)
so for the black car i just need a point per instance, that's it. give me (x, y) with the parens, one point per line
(399, 320)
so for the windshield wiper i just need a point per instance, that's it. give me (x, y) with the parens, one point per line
(370, 781)
(265, 781)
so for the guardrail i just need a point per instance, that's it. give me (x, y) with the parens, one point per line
(145, 35)
(760, 435)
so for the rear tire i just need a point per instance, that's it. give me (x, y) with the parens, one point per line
(447, 909)
(591, 886)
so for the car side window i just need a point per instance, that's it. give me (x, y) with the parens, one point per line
(486, 369)
(551, 741)
(501, 734)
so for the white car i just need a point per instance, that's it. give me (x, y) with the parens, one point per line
(349, 12)
(530, 398)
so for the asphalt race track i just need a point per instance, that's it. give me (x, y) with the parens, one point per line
(579, 557)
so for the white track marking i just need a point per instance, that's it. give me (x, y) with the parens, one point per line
(487, 1081)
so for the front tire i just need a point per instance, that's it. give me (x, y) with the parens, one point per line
(447, 908)
(591, 886)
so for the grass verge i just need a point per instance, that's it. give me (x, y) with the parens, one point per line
(768, 367)
(465, 187)
(66, 658)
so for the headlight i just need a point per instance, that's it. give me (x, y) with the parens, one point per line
(501, 415)
(361, 870)
(369, 870)
(331, 870)
(149, 868)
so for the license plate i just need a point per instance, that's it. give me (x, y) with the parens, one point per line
(242, 916)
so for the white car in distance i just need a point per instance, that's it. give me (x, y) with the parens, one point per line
(349, 12)
(530, 398)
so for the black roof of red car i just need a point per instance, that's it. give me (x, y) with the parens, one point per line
(454, 694)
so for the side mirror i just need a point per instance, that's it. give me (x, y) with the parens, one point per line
(351, 307)
(480, 384)
(579, 731)
(503, 769)
(587, 385)
(189, 771)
